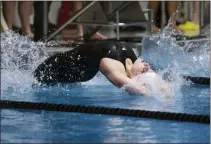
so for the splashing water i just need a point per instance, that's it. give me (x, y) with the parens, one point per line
(162, 50)
(155, 82)
(172, 58)
(19, 58)
(193, 56)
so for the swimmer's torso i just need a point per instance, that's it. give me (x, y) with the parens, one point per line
(82, 63)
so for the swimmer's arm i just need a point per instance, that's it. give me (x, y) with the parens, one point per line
(121, 80)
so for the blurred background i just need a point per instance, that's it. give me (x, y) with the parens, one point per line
(136, 19)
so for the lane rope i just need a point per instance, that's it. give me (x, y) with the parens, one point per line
(6, 104)
(198, 80)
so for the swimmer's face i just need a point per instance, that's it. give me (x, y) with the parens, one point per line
(140, 67)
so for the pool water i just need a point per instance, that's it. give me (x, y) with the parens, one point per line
(27, 126)
(46, 126)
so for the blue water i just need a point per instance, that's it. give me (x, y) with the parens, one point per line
(25, 126)
(44, 126)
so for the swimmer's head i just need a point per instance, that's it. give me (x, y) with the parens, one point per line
(139, 67)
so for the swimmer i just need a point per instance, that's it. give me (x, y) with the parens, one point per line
(115, 60)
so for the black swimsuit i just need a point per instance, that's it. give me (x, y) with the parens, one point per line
(82, 63)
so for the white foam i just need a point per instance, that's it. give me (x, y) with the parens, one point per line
(19, 57)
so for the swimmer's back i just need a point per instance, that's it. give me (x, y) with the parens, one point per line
(119, 51)
(79, 64)
(82, 63)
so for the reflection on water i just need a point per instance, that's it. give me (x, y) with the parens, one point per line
(73, 127)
